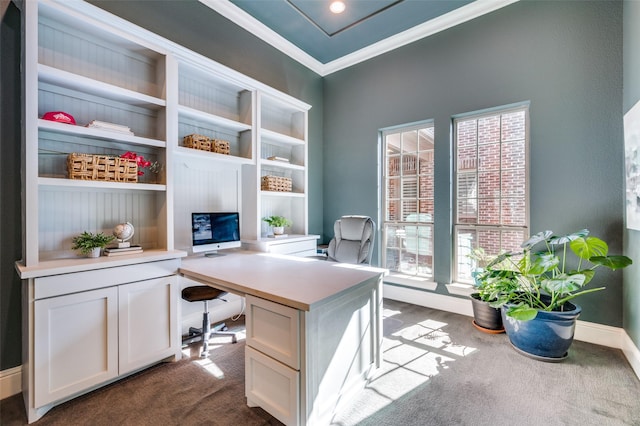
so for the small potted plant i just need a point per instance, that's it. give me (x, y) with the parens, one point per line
(278, 223)
(536, 288)
(90, 244)
(491, 279)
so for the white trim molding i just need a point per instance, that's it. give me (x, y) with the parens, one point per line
(410, 281)
(599, 334)
(10, 381)
(457, 305)
(631, 352)
(249, 23)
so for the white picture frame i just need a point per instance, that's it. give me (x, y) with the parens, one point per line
(632, 166)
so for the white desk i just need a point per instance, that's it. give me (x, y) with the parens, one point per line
(314, 329)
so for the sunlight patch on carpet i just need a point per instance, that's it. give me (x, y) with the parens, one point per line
(412, 354)
(210, 367)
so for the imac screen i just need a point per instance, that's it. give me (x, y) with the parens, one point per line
(215, 230)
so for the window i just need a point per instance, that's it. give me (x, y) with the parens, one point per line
(491, 185)
(408, 200)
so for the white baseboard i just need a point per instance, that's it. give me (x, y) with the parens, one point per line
(599, 334)
(631, 352)
(457, 305)
(10, 382)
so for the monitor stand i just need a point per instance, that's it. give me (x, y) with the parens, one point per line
(213, 254)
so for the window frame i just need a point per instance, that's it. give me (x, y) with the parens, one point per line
(501, 227)
(401, 277)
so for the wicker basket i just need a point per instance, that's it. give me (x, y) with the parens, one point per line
(275, 183)
(101, 167)
(197, 142)
(220, 146)
(206, 143)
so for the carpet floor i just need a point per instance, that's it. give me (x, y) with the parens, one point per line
(437, 370)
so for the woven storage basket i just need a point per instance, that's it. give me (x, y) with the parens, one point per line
(275, 183)
(220, 146)
(101, 167)
(197, 142)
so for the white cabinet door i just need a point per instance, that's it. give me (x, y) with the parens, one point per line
(148, 322)
(75, 343)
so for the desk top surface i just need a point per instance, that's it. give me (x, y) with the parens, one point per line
(297, 282)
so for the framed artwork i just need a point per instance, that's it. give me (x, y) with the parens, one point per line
(632, 166)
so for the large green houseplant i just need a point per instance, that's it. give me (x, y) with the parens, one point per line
(538, 284)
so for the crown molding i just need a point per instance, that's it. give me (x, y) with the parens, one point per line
(441, 23)
(260, 30)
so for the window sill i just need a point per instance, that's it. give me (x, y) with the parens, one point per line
(460, 289)
(410, 281)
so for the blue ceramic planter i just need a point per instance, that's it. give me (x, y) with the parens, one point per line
(547, 337)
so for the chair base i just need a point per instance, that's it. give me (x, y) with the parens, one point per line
(196, 334)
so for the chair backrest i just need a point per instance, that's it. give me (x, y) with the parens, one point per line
(353, 240)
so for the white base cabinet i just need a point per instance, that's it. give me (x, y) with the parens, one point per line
(79, 340)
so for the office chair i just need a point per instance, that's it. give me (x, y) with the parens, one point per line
(353, 240)
(205, 294)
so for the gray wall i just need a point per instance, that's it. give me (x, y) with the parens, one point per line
(564, 57)
(631, 95)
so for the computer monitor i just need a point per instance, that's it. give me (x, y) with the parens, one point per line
(215, 231)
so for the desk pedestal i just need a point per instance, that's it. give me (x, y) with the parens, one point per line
(300, 365)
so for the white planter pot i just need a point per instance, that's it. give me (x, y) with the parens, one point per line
(94, 252)
(278, 230)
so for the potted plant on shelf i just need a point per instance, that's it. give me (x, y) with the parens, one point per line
(278, 223)
(536, 289)
(90, 244)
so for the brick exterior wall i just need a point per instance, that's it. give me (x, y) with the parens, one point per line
(491, 184)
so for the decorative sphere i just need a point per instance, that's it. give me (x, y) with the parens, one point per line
(123, 231)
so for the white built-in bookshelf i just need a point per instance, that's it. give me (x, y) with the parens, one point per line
(81, 60)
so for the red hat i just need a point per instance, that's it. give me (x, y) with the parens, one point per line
(59, 116)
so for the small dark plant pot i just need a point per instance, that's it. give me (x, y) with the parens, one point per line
(547, 337)
(484, 316)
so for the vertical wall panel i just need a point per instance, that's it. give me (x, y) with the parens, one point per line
(203, 186)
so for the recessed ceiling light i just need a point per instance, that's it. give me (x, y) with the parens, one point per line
(337, 6)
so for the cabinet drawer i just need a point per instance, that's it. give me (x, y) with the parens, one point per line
(293, 247)
(57, 285)
(272, 386)
(274, 330)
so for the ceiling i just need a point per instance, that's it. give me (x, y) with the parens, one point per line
(325, 42)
